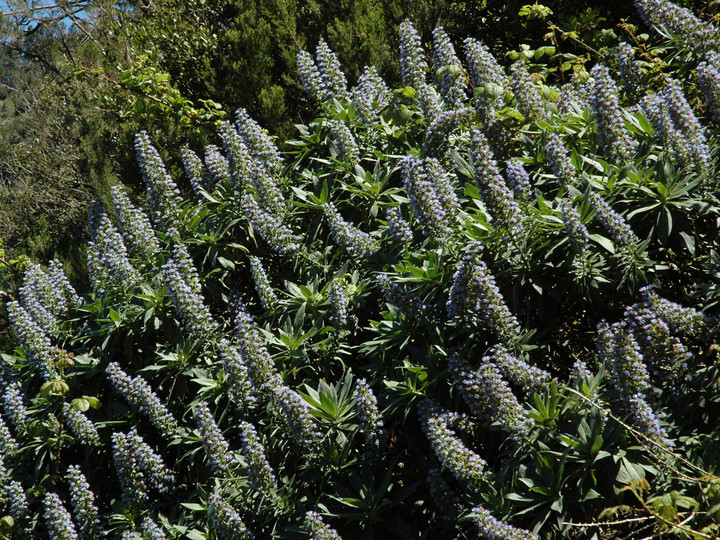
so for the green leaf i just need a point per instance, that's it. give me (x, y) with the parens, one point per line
(94, 402)
(689, 241)
(115, 317)
(56, 387)
(603, 241)
(80, 404)
(629, 472)
(195, 507)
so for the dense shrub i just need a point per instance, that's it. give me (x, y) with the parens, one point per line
(474, 305)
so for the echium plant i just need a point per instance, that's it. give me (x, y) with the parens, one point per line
(339, 297)
(612, 134)
(46, 295)
(430, 102)
(573, 96)
(618, 228)
(149, 462)
(34, 340)
(58, 519)
(17, 508)
(448, 69)
(398, 228)
(440, 129)
(444, 496)
(238, 373)
(249, 172)
(687, 124)
(8, 444)
(657, 110)
(331, 71)
(225, 520)
(397, 339)
(268, 298)
(407, 301)
(526, 376)
(310, 77)
(358, 243)
(467, 466)
(258, 141)
(196, 171)
(489, 397)
(496, 195)
(347, 149)
(484, 69)
(218, 167)
(318, 529)
(138, 393)
(238, 154)
(574, 227)
(187, 300)
(323, 77)
(162, 191)
(82, 427)
(296, 412)
(216, 446)
(370, 96)
(413, 66)
(474, 295)
(279, 236)
(494, 529)
(518, 179)
(621, 354)
(431, 195)
(681, 22)
(368, 413)
(152, 530)
(253, 353)
(528, 98)
(14, 406)
(630, 72)
(559, 158)
(657, 324)
(259, 472)
(83, 504)
(108, 259)
(136, 229)
(709, 83)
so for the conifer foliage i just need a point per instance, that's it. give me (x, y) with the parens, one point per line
(438, 313)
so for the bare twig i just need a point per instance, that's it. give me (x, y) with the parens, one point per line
(609, 523)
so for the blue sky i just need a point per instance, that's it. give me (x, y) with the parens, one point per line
(4, 7)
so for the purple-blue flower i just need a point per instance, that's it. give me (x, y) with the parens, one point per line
(216, 446)
(82, 501)
(367, 411)
(463, 463)
(259, 472)
(58, 520)
(528, 98)
(355, 241)
(225, 520)
(613, 136)
(318, 529)
(452, 85)
(413, 66)
(492, 528)
(614, 223)
(162, 191)
(495, 194)
(370, 96)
